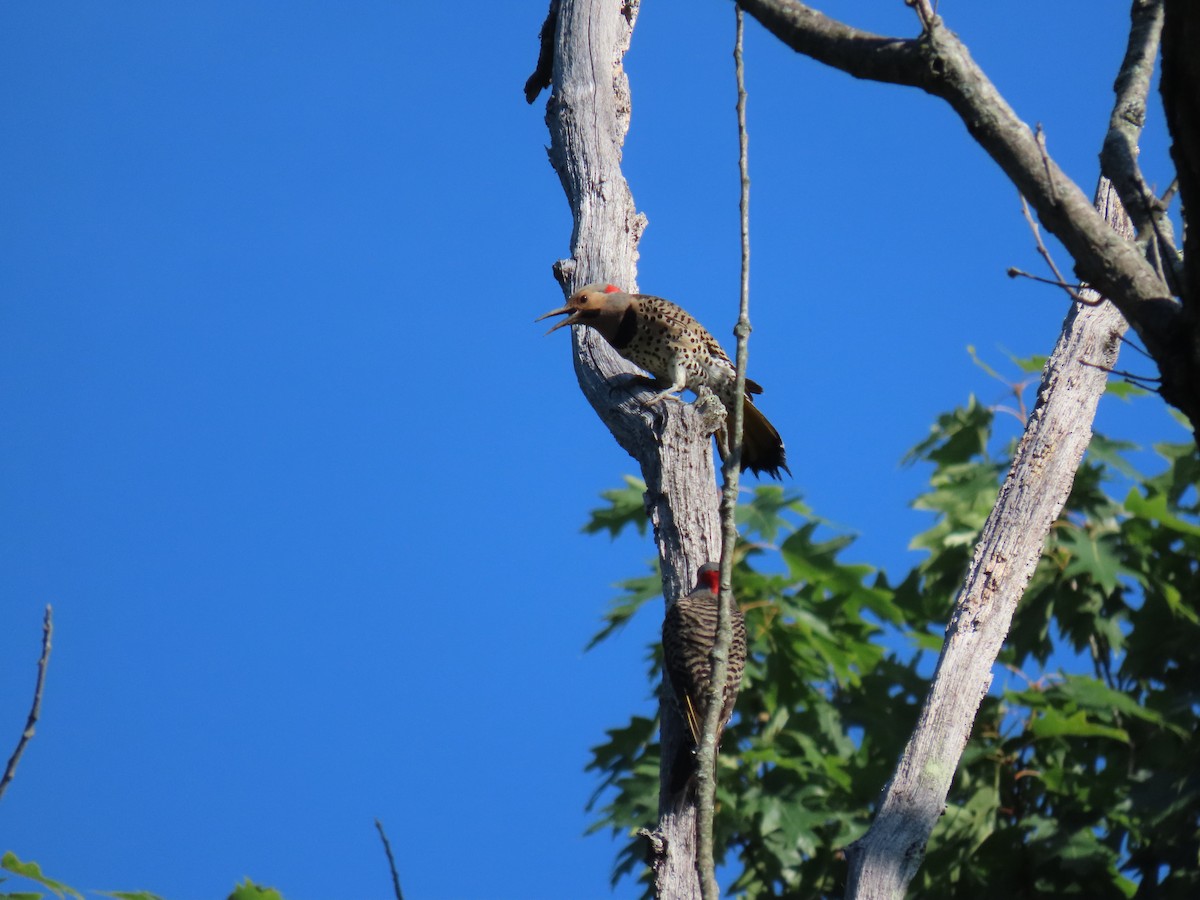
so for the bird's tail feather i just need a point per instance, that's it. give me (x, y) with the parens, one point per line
(762, 447)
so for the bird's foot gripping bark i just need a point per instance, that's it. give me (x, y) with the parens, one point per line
(670, 393)
(712, 411)
(672, 390)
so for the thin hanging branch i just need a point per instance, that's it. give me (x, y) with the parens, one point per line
(35, 710)
(707, 751)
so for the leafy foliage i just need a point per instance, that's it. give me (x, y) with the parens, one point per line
(31, 871)
(1083, 778)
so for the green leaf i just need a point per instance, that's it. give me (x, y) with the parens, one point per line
(1053, 723)
(1156, 509)
(1125, 390)
(956, 436)
(1175, 602)
(626, 506)
(1182, 474)
(1108, 452)
(622, 609)
(1093, 694)
(248, 890)
(33, 872)
(1030, 365)
(763, 514)
(1093, 556)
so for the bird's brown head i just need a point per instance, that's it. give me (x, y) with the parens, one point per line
(598, 305)
(709, 576)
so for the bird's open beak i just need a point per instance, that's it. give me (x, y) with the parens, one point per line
(569, 320)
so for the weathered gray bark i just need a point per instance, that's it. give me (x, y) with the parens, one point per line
(588, 116)
(884, 861)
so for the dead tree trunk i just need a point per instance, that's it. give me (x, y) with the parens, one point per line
(584, 42)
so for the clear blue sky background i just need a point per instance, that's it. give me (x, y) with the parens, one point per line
(282, 445)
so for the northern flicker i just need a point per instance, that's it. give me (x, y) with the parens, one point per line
(678, 351)
(688, 635)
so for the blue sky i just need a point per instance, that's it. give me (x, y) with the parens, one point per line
(304, 483)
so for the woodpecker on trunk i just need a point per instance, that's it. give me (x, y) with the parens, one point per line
(688, 635)
(678, 351)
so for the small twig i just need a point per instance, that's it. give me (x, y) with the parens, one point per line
(1015, 670)
(925, 13)
(706, 786)
(1019, 415)
(1075, 293)
(1129, 342)
(1128, 376)
(36, 709)
(1037, 236)
(1169, 194)
(1074, 290)
(1014, 272)
(1016, 388)
(387, 848)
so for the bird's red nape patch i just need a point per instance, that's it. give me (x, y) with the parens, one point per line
(714, 581)
(611, 289)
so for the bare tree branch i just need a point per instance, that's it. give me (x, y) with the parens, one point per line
(940, 64)
(1119, 155)
(937, 62)
(884, 861)
(35, 710)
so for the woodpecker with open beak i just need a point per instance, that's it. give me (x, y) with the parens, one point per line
(678, 351)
